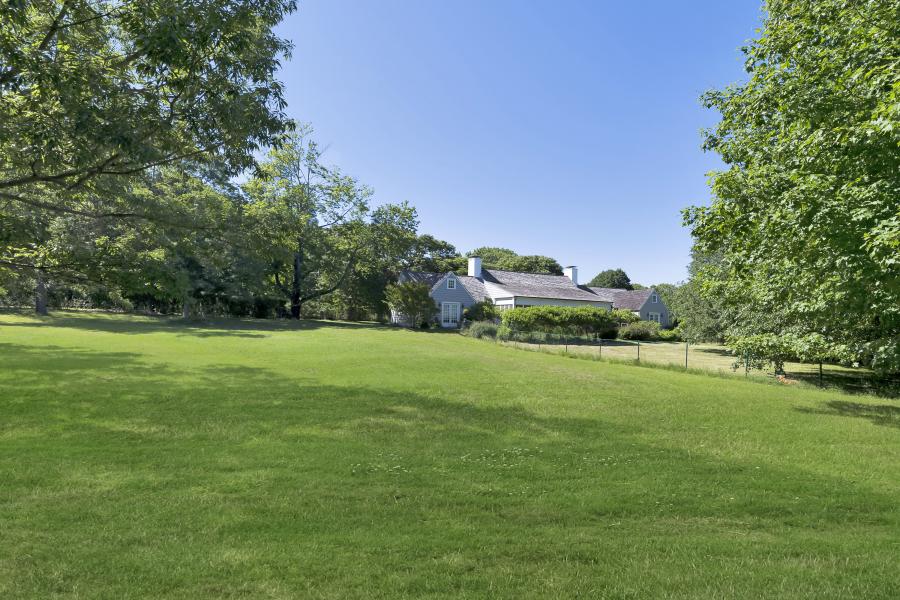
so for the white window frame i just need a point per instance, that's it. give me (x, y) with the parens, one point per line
(451, 284)
(446, 313)
(654, 298)
(655, 317)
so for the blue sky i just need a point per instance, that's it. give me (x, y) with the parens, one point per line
(569, 129)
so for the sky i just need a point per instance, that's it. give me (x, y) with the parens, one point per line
(568, 129)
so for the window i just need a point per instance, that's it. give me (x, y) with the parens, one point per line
(653, 317)
(654, 299)
(449, 314)
(451, 284)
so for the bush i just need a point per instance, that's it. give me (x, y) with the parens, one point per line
(560, 319)
(482, 329)
(670, 335)
(481, 311)
(641, 330)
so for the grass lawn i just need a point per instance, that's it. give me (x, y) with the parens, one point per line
(143, 458)
(717, 358)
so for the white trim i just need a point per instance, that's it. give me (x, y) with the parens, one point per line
(449, 281)
(654, 316)
(451, 316)
(654, 298)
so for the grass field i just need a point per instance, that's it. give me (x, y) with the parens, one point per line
(717, 359)
(143, 458)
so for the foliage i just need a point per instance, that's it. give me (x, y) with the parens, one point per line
(308, 220)
(640, 330)
(95, 90)
(670, 335)
(612, 278)
(482, 329)
(559, 319)
(413, 301)
(481, 311)
(759, 350)
(505, 259)
(432, 255)
(805, 219)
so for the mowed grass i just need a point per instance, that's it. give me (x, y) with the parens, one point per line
(717, 359)
(143, 458)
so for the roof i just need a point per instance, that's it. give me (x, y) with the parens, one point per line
(430, 279)
(472, 285)
(540, 285)
(475, 287)
(625, 299)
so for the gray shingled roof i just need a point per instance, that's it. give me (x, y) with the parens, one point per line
(474, 287)
(625, 299)
(539, 285)
(421, 277)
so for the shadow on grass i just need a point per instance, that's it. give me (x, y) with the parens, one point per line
(884, 414)
(851, 382)
(120, 412)
(203, 328)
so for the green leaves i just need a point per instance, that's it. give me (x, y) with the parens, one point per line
(805, 216)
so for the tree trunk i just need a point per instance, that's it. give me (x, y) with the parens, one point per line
(40, 295)
(186, 308)
(295, 288)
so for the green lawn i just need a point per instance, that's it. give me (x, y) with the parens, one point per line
(717, 359)
(143, 458)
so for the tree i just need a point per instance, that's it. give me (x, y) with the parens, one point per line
(432, 255)
(806, 218)
(612, 278)
(411, 300)
(94, 92)
(505, 259)
(95, 88)
(309, 220)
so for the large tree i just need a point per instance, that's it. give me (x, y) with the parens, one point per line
(493, 257)
(612, 278)
(309, 218)
(94, 92)
(806, 217)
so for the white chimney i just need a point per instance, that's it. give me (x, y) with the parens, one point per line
(474, 266)
(571, 273)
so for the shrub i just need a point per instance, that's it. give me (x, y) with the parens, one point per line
(413, 301)
(670, 335)
(482, 329)
(641, 330)
(481, 311)
(560, 319)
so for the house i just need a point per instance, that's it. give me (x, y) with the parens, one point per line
(506, 289)
(646, 303)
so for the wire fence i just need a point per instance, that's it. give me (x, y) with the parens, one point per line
(701, 357)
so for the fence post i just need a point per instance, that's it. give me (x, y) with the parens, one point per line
(600, 346)
(639, 352)
(820, 375)
(746, 364)
(567, 344)
(686, 355)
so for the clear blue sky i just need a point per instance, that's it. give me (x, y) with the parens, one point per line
(569, 129)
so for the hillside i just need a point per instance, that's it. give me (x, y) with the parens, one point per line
(144, 458)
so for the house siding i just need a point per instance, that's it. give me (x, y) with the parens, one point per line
(657, 307)
(441, 294)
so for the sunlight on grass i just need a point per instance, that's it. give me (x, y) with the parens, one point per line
(142, 457)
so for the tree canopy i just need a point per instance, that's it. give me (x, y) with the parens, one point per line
(806, 217)
(612, 278)
(504, 259)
